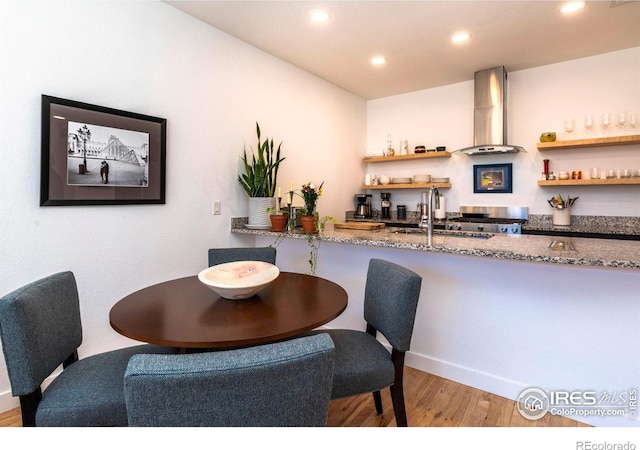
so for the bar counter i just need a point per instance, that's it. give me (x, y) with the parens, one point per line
(501, 314)
(531, 248)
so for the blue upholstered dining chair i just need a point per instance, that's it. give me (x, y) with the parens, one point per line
(286, 384)
(41, 329)
(363, 364)
(225, 255)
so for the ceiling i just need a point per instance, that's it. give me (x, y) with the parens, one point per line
(415, 37)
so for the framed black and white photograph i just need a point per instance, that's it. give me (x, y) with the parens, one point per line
(94, 155)
(492, 178)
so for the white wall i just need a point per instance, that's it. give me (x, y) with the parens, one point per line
(150, 58)
(539, 100)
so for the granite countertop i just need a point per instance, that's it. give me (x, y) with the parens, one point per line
(612, 227)
(596, 226)
(532, 248)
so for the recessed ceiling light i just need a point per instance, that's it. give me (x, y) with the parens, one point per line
(572, 7)
(378, 60)
(460, 37)
(319, 16)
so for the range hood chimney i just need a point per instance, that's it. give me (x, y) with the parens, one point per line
(490, 114)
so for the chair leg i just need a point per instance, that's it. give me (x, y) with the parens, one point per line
(397, 389)
(28, 406)
(397, 396)
(377, 399)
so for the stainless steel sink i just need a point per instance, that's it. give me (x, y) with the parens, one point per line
(445, 233)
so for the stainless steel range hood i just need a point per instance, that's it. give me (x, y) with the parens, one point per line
(490, 114)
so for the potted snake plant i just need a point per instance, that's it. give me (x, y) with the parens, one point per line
(259, 180)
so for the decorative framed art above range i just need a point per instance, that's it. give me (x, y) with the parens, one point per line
(492, 178)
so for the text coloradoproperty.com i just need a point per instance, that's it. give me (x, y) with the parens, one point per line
(587, 412)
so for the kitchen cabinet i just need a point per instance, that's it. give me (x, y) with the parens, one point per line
(589, 143)
(409, 157)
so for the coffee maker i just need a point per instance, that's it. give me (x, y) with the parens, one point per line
(363, 206)
(386, 205)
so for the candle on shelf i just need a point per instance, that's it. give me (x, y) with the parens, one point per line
(279, 192)
(291, 192)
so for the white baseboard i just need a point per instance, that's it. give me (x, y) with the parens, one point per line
(479, 380)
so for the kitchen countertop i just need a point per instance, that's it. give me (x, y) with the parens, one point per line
(605, 227)
(533, 248)
(609, 227)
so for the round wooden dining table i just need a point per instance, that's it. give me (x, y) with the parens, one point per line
(186, 314)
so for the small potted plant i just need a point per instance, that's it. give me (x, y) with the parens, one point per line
(278, 219)
(259, 179)
(310, 195)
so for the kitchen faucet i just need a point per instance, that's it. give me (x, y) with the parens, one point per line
(426, 210)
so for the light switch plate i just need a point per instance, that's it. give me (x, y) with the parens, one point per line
(217, 207)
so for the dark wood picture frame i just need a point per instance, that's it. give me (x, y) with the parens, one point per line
(94, 155)
(493, 178)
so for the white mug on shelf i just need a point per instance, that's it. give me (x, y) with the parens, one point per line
(404, 147)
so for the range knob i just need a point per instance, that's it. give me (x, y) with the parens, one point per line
(458, 227)
(514, 229)
(450, 226)
(504, 229)
(480, 228)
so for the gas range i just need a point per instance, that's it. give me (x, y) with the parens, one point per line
(489, 219)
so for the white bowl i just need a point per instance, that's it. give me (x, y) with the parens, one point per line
(239, 279)
(425, 178)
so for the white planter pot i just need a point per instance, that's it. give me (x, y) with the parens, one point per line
(562, 217)
(258, 206)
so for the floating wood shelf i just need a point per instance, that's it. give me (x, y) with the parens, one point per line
(411, 186)
(607, 182)
(413, 156)
(584, 143)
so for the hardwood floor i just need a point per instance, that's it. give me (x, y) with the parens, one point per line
(11, 418)
(431, 401)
